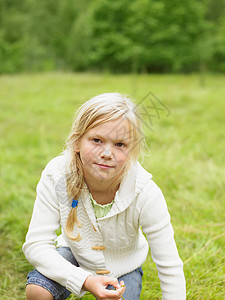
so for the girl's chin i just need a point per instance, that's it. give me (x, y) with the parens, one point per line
(103, 175)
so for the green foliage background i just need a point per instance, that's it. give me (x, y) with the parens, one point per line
(116, 36)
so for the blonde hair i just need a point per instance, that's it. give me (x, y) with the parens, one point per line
(94, 112)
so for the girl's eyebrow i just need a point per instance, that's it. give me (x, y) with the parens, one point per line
(96, 135)
(116, 140)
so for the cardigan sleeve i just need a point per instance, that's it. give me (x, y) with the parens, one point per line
(155, 222)
(39, 247)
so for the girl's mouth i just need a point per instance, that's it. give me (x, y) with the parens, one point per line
(104, 166)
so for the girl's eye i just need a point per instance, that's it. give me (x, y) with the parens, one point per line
(120, 145)
(97, 141)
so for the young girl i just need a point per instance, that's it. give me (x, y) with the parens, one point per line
(100, 196)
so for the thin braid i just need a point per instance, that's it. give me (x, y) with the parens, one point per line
(75, 182)
(71, 221)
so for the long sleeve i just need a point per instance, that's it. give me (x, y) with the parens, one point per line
(155, 222)
(39, 247)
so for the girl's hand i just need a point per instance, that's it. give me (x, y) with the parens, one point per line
(97, 285)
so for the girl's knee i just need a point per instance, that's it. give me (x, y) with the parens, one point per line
(36, 292)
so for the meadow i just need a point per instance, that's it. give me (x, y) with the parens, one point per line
(183, 121)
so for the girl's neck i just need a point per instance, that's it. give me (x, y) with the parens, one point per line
(103, 196)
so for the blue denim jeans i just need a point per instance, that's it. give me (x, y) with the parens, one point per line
(132, 280)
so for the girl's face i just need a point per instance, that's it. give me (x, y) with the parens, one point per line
(104, 151)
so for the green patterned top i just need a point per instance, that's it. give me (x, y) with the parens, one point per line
(101, 210)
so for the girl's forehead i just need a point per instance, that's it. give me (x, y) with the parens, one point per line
(114, 129)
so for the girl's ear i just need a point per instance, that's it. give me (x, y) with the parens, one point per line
(76, 147)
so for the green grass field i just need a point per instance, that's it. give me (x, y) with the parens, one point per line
(185, 152)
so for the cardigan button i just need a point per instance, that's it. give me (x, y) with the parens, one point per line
(102, 272)
(98, 248)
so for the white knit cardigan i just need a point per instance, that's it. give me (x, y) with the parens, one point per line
(138, 203)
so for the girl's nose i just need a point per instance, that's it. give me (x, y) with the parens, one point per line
(106, 153)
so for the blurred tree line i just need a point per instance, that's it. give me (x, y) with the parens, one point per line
(115, 36)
